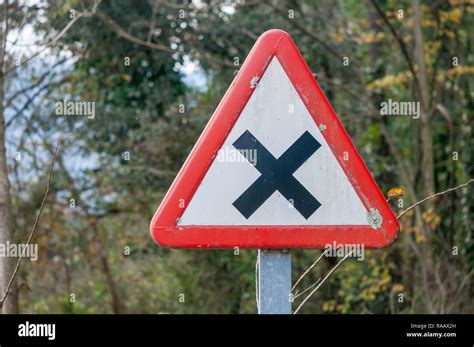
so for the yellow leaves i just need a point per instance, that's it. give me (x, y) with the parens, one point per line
(376, 284)
(428, 215)
(390, 80)
(408, 229)
(367, 295)
(398, 287)
(406, 152)
(127, 77)
(448, 33)
(460, 70)
(432, 49)
(395, 193)
(329, 306)
(333, 306)
(401, 78)
(361, 284)
(385, 279)
(461, 2)
(428, 23)
(431, 218)
(420, 238)
(361, 36)
(338, 36)
(410, 213)
(369, 37)
(454, 16)
(455, 72)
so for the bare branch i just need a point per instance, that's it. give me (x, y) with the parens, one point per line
(397, 38)
(323, 42)
(304, 30)
(116, 28)
(307, 271)
(30, 99)
(435, 195)
(304, 291)
(33, 231)
(322, 282)
(152, 22)
(154, 171)
(38, 82)
(48, 45)
(53, 42)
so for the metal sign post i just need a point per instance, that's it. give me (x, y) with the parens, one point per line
(274, 281)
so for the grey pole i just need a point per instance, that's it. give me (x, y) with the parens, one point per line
(274, 281)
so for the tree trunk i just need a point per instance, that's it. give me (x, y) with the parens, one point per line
(425, 124)
(116, 304)
(7, 264)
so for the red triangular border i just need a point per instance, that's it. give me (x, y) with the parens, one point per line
(163, 225)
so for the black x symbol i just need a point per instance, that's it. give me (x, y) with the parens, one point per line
(277, 174)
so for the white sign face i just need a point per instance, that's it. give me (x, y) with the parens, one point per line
(275, 168)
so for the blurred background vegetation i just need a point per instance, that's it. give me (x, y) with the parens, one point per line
(156, 71)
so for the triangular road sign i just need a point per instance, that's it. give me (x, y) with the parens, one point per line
(274, 168)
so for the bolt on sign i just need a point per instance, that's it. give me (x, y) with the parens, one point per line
(274, 168)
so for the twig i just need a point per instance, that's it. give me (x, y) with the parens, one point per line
(116, 28)
(304, 291)
(121, 32)
(459, 291)
(307, 271)
(435, 195)
(257, 264)
(151, 30)
(322, 282)
(49, 44)
(338, 264)
(41, 79)
(33, 231)
(397, 38)
(304, 30)
(79, 15)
